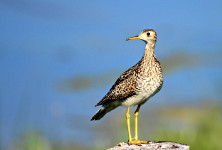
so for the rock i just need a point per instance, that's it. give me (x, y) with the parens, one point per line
(152, 145)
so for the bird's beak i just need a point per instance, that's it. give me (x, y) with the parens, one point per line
(134, 37)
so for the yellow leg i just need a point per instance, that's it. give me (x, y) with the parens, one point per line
(136, 122)
(128, 123)
(135, 139)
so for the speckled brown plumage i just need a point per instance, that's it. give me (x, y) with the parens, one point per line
(123, 87)
(136, 85)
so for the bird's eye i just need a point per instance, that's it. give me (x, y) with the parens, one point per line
(148, 34)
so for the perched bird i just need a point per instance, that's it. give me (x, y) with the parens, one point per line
(136, 85)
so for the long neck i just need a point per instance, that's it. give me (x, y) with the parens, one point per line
(149, 51)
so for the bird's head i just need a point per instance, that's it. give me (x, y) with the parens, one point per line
(146, 35)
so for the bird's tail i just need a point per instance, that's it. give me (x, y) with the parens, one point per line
(103, 110)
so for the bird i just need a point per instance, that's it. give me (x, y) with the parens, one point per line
(135, 86)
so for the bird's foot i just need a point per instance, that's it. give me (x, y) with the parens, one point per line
(137, 142)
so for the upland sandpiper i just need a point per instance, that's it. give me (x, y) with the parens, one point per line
(136, 85)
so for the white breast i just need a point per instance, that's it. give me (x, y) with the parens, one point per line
(136, 99)
(143, 95)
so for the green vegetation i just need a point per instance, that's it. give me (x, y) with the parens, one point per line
(200, 127)
(204, 130)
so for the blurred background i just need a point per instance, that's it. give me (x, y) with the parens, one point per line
(59, 58)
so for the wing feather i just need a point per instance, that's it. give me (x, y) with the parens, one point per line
(123, 87)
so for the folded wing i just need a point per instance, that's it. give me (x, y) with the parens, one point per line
(123, 88)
